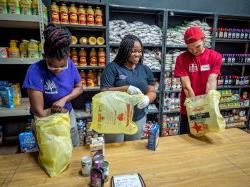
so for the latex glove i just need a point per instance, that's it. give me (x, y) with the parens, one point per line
(144, 103)
(132, 90)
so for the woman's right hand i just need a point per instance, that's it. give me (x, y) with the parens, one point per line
(132, 90)
(58, 105)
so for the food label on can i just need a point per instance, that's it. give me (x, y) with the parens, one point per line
(86, 162)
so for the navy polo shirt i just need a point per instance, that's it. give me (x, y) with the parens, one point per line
(116, 75)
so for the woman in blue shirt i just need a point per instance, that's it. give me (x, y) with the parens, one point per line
(128, 74)
(54, 81)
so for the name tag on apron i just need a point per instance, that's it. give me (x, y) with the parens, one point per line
(205, 67)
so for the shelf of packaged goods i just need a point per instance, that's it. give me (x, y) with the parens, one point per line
(236, 64)
(80, 114)
(17, 61)
(155, 70)
(19, 21)
(232, 87)
(176, 46)
(87, 46)
(144, 45)
(91, 89)
(169, 71)
(172, 91)
(89, 67)
(152, 111)
(222, 40)
(83, 27)
(22, 110)
(87, 2)
(171, 112)
(237, 107)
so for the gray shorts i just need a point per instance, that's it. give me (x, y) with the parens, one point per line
(111, 138)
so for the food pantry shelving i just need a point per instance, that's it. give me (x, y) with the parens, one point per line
(167, 24)
(80, 30)
(13, 69)
(234, 44)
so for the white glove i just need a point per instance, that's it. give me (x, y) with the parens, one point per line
(144, 103)
(132, 90)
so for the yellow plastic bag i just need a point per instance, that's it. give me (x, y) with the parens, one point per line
(53, 136)
(204, 114)
(113, 112)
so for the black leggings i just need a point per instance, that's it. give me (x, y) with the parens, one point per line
(184, 126)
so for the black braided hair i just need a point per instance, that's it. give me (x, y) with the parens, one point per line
(57, 41)
(126, 47)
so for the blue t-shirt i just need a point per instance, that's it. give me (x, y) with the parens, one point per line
(53, 86)
(116, 75)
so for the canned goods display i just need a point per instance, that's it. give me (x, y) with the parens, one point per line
(86, 162)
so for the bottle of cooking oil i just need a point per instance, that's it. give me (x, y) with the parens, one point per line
(13, 51)
(64, 14)
(33, 49)
(25, 6)
(74, 56)
(93, 57)
(81, 15)
(13, 7)
(24, 49)
(3, 7)
(73, 14)
(90, 79)
(83, 59)
(54, 13)
(101, 57)
(90, 16)
(98, 16)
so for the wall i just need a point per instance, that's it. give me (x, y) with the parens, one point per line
(230, 7)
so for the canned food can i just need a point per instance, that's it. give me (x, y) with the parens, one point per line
(98, 157)
(86, 163)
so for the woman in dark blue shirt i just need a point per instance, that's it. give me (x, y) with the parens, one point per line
(128, 74)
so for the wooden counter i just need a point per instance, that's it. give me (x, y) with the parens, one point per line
(215, 160)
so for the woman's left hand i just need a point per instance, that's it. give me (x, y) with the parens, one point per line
(58, 105)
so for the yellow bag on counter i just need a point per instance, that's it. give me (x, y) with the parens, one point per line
(54, 141)
(112, 112)
(204, 114)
